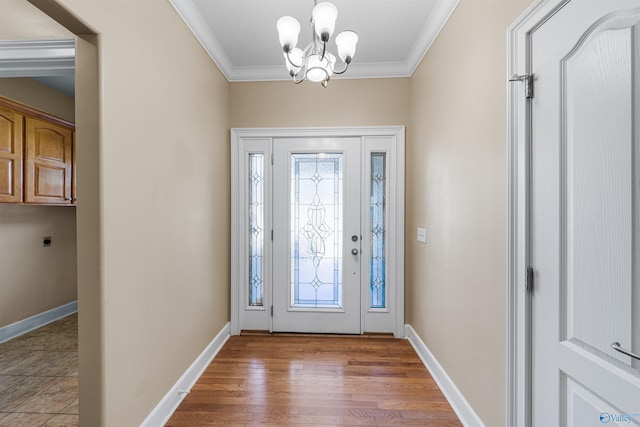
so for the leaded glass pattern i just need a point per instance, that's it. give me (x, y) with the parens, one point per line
(316, 230)
(377, 260)
(256, 229)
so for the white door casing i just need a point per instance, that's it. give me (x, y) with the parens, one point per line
(574, 215)
(262, 143)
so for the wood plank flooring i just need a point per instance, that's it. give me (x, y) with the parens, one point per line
(307, 381)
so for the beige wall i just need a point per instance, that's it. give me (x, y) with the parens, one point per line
(33, 278)
(20, 20)
(34, 94)
(153, 210)
(456, 188)
(347, 102)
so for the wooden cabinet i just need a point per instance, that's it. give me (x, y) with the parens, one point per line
(10, 155)
(36, 156)
(47, 162)
(74, 196)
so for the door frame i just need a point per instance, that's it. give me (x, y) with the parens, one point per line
(519, 374)
(396, 220)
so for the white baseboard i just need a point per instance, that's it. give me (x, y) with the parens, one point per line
(23, 326)
(169, 403)
(460, 406)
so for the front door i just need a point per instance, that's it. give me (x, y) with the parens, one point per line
(317, 235)
(585, 215)
(317, 230)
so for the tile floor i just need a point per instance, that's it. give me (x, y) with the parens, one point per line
(39, 377)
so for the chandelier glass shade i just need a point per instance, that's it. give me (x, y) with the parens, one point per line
(314, 62)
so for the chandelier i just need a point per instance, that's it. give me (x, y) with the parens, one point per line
(314, 62)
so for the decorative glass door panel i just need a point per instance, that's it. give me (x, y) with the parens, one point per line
(377, 224)
(256, 229)
(316, 230)
(317, 237)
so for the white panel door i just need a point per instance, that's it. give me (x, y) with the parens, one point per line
(317, 235)
(585, 215)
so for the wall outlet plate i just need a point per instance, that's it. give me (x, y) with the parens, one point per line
(422, 235)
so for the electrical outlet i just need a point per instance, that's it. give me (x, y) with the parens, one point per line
(422, 235)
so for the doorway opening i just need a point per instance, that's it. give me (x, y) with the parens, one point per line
(87, 100)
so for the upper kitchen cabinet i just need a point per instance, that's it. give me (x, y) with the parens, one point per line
(36, 156)
(11, 132)
(48, 167)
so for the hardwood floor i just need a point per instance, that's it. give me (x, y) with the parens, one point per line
(315, 381)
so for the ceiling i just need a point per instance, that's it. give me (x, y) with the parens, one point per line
(34, 45)
(65, 83)
(241, 36)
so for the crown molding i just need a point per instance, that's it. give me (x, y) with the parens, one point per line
(356, 71)
(196, 23)
(37, 58)
(439, 16)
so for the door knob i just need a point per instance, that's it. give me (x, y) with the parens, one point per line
(354, 251)
(354, 238)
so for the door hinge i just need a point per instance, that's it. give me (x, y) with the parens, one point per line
(271, 311)
(272, 235)
(528, 285)
(271, 158)
(528, 83)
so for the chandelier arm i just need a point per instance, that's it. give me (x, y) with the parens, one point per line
(324, 50)
(291, 62)
(346, 65)
(304, 77)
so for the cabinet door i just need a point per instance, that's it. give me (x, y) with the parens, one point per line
(47, 162)
(74, 194)
(10, 156)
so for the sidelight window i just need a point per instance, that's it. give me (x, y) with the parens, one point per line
(256, 229)
(377, 207)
